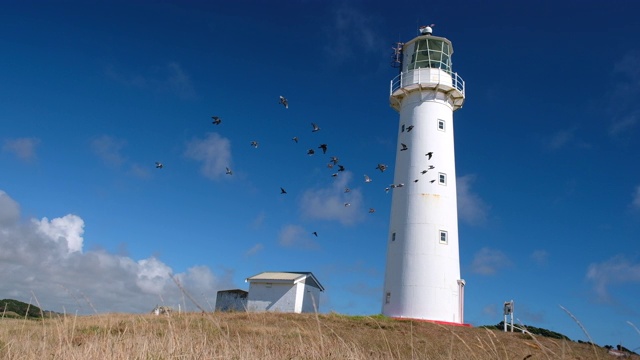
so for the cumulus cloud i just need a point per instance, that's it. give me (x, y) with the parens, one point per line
(67, 229)
(489, 261)
(612, 272)
(23, 148)
(296, 236)
(45, 258)
(109, 149)
(328, 203)
(214, 152)
(471, 208)
(9, 210)
(170, 77)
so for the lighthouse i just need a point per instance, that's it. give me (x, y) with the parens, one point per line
(422, 275)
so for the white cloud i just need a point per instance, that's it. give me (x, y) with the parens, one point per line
(38, 258)
(9, 210)
(615, 271)
(471, 208)
(635, 201)
(23, 148)
(67, 229)
(214, 151)
(296, 236)
(328, 203)
(109, 149)
(489, 261)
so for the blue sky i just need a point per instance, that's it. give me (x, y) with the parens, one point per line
(92, 94)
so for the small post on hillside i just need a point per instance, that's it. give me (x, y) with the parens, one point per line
(508, 310)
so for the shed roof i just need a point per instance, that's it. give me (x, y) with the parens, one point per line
(234, 291)
(286, 277)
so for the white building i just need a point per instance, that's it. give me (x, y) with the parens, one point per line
(422, 276)
(296, 292)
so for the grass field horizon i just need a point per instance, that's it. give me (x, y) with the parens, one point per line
(270, 335)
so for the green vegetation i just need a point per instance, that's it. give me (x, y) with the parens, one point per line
(8, 306)
(532, 329)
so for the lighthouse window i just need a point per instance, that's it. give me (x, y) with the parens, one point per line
(441, 125)
(393, 237)
(387, 298)
(443, 237)
(442, 178)
(431, 53)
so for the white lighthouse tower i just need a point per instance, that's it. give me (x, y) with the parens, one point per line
(422, 277)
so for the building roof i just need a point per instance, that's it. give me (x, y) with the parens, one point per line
(286, 277)
(236, 291)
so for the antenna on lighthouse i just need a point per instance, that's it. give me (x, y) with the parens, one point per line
(396, 56)
(427, 30)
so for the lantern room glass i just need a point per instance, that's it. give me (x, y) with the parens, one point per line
(431, 53)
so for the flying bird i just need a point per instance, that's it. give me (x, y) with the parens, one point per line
(432, 181)
(367, 179)
(372, 210)
(315, 233)
(416, 180)
(347, 190)
(382, 167)
(423, 172)
(284, 102)
(159, 165)
(330, 165)
(283, 191)
(400, 185)
(323, 147)
(347, 204)
(334, 160)
(229, 172)
(216, 120)
(254, 144)
(404, 147)
(334, 175)
(409, 128)
(429, 154)
(310, 152)
(340, 168)
(386, 189)
(295, 138)
(315, 127)
(402, 128)
(431, 167)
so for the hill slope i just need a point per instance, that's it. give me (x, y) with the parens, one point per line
(272, 336)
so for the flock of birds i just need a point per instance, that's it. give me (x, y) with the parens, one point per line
(333, 162)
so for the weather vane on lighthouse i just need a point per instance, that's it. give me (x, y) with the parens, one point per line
(422, 276)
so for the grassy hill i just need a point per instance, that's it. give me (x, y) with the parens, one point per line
(20, 308)
(271, 336)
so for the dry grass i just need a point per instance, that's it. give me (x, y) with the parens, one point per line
(269, 336)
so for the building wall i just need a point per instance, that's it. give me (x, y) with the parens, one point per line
(272, 297)
(311, 299)
(231, 301)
